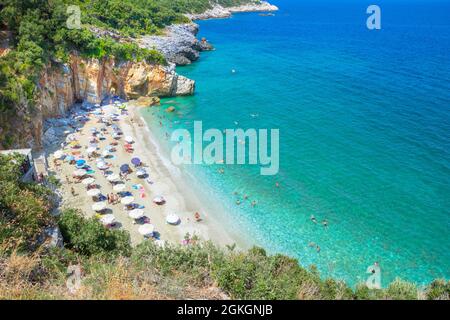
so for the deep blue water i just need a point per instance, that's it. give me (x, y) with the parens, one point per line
(364, 119)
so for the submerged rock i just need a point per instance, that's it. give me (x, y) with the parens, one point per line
(147, 101)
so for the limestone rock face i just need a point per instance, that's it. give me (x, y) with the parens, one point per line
(90, 80)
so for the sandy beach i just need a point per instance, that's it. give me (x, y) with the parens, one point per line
(161, 181)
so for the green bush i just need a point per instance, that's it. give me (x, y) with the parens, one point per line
(401, 290)
(24, 208)
(89, 237)
(439, 289)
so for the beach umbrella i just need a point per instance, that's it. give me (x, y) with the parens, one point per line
(119, 187)
(136, 161)
(112, 177)
(70, 158)
(97, 105)
(124, 168)
(88, 181)
(93, 192)
(127, 200)
(58, 154)
(141, 173)
(136, 213)
(146, 229)
(79, 172)
(172, 219)
(80, 162)
(99, 206)
(105, 153)
(129, 139)
(108, 219)
(102, 165)
(91, 150)
(159, 200)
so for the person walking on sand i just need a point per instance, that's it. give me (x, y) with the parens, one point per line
(197, 217)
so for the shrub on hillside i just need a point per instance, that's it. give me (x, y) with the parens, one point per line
(89, 237)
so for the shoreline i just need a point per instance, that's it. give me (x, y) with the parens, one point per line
(183, 191)
(211, 227)
(180, 197)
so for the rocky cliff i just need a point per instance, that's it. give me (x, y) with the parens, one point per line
(92, 80)
(179, 44)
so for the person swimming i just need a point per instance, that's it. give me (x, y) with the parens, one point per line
(313, 219)
(325, 223)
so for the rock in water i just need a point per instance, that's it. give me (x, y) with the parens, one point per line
(147, 101)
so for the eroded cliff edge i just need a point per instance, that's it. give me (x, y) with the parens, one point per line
(91, 80)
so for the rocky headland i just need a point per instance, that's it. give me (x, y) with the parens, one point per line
(179, 44)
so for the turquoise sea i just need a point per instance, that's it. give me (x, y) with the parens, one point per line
(364, 119)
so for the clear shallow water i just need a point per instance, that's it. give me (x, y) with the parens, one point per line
(364, 119)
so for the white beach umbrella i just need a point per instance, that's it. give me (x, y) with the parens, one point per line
(93, 192)
(141, 173)
(159, 200)
(129, 139)
(146, 229)
(127, 200)
(105, 153)
(58, 154)
(136, 213)
(102, 165)
(79, 173)
(119, 187)
(88, 181)
(99, 206)
(91, 150)
(172, 219)
(108, 219)
(112, 177)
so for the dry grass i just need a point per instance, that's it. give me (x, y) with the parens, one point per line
(21, 278)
